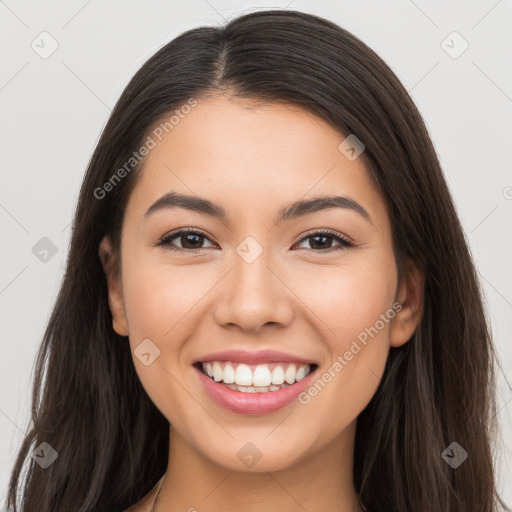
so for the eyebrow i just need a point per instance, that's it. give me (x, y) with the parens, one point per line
(297, 209)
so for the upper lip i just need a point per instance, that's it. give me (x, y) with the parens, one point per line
(263, 356)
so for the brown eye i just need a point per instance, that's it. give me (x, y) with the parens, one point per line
(189, 240)
(322, 241)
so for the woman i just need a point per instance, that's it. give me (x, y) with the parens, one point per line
(269, 303)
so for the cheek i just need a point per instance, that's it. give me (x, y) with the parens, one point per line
(159, 301)
(348, 299)
(159, 297)
(351, 302)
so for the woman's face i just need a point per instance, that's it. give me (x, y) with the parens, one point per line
(252, 282)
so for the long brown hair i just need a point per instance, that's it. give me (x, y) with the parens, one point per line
(88, 403)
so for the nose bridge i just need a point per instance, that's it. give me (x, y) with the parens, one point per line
(252, 273)
(253, 296)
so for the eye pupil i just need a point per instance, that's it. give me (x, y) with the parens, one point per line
(188, 237)
(314, 245)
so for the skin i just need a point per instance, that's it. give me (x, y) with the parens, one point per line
(254, 160)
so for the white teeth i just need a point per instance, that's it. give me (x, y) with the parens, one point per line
(229, 374)
(252, 389)
(290, 373)
(261, 376)
(301, 373)
(262, 379)
(243, 375)
(278, 375)
(217, 372)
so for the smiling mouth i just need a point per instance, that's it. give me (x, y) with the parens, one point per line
(255, 378)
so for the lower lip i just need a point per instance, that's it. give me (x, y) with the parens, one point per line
(253, 403)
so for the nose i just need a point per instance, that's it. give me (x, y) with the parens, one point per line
(254, 295)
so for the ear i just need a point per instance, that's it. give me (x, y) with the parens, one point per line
(115, 291)
(410, 297)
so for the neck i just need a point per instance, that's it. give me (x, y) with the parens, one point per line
(318, 482)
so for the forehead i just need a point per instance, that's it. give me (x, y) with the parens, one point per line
(251, 158)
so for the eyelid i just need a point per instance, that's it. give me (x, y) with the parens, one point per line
(326, 231)
(165, 239)
(347, 242)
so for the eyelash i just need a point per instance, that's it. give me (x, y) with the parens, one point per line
(345, 243)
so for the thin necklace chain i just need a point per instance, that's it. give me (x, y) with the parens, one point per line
(153, 507)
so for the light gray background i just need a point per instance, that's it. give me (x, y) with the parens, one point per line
(53, 110)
